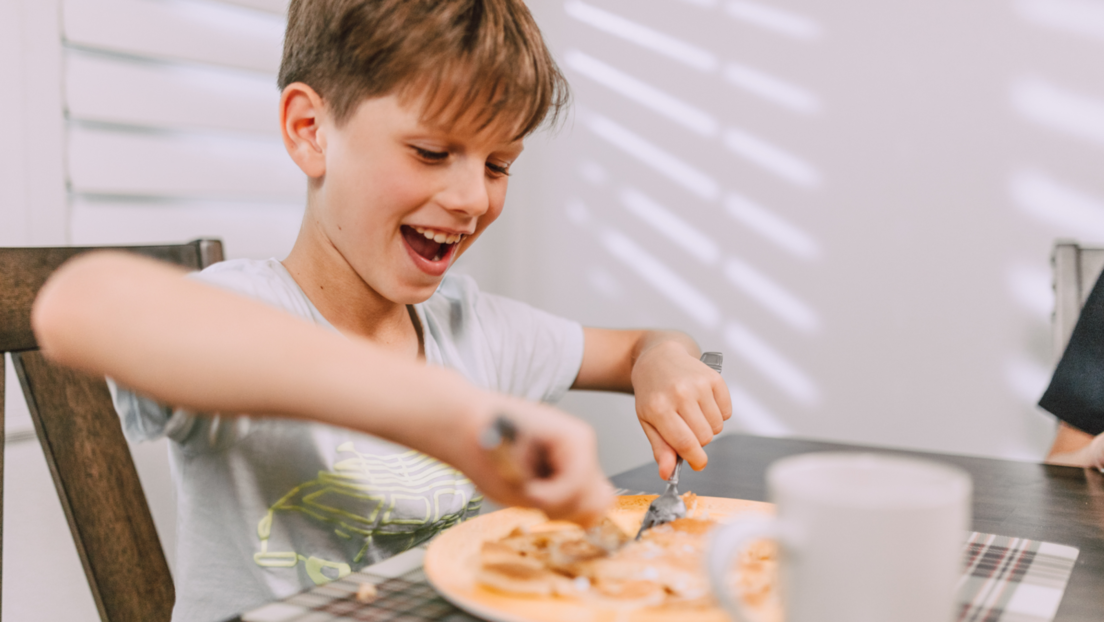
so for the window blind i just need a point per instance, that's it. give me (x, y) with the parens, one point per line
(172, 127)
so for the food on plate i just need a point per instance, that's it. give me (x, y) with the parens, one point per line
(665, 568)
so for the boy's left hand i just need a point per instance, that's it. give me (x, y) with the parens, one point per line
(681, 404)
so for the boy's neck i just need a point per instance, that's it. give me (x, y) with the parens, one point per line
(348, 303)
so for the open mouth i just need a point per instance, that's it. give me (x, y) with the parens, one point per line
(429, 244)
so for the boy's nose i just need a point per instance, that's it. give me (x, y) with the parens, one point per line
(466, 191)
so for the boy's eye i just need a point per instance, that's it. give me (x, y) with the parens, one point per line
(432, 156)
(498, 169)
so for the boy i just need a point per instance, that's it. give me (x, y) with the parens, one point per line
(405, 115)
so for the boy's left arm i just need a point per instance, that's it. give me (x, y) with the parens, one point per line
(680, 401)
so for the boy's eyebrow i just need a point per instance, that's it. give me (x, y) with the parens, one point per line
(454, 139)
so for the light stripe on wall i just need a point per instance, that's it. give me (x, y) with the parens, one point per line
(1059, 109)
(665, 280)
(772, 296)
(772, 89)
(691, 117)
(660, 160)
(1081, 17)
(771, 158)
(1048, 200)
(649, 38)
(771, 226)
(669, 225)
(759, 355)
(774, 19)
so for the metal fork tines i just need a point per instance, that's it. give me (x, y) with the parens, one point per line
(668, 506)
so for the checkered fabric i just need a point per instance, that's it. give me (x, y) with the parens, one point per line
(405, 598)
(1004, 580)
(1012, 579)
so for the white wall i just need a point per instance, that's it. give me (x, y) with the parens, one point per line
(865, 193)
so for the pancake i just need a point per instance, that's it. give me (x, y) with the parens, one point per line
(664, 569)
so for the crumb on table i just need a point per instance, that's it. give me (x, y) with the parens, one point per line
(366, 593)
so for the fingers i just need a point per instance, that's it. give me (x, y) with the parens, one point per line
(698, 422)
(564, 477)
(712, 416)
(560, 499)
(714, 401)
(677, 433)
(723, 400)
(664, 454)
(683, 418)
(691, 401)
(565, 472)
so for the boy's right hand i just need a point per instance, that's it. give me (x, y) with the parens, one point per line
(554, 462)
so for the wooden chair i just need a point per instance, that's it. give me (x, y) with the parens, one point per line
(83, 441)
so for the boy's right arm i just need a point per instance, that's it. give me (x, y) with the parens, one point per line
(197, 347)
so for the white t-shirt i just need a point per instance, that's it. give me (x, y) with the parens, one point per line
(267, 507)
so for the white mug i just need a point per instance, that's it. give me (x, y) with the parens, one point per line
(861, 538)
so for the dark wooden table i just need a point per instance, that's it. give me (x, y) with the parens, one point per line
(1064, 505)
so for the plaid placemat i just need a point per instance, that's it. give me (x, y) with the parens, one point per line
(402, 594)
(1004, 580)
(1012, 579)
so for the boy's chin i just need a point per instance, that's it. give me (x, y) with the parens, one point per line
(412, 294)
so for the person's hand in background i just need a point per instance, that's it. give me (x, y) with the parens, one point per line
(1073, 447)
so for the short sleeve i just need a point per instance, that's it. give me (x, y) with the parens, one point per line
(503, 344)
(539, 354)
(144, 419)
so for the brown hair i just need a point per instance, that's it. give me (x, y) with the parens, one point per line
(474, 61)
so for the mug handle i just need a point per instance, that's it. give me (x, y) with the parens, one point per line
(725, 543)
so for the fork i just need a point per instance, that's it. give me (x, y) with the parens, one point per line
(669, 505)
(666, 507)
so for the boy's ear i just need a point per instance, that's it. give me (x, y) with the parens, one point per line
(301, 113)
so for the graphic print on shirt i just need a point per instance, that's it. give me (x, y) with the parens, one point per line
(407, 495)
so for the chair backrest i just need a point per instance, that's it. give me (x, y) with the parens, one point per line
(1076, 270)
(83, 442)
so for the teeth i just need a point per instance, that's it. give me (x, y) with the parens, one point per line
(438, 237)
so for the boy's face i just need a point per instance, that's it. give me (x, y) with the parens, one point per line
(400, 199)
